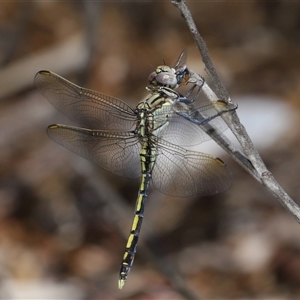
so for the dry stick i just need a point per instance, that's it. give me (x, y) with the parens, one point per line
(218, 136)
(233, 122)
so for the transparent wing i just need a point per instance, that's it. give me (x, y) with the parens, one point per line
(117, 152)
(180, 130)
(85, 107)
(182, 173)
(181, 60)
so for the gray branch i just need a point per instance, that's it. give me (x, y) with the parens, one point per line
(252, 162)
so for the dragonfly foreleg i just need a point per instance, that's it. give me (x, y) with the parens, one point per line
(184, 99)
(197, 117)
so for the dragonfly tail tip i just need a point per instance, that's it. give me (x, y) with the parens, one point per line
(121, 283)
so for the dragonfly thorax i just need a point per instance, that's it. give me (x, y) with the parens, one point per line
(152, 112)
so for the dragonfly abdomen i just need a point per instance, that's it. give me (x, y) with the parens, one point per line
(133, 238)
(148, 157)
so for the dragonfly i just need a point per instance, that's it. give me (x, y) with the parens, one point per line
(147, 141)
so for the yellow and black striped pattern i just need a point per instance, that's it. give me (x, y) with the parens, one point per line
(147, 124)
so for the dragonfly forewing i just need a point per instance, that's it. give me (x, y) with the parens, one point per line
(117, 152)
(180, 130)
(181, 60)
(87, 108)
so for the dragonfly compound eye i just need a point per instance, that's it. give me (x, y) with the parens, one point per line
(152, 77)
(163, 76)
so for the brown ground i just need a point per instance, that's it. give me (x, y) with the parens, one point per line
(60, 236)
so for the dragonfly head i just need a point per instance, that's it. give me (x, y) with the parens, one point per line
(163, 76)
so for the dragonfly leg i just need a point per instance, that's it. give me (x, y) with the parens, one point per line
(185, 99)
(198, 118)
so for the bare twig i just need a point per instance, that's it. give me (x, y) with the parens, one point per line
(233, 122)
(218, 136)
(210, 69)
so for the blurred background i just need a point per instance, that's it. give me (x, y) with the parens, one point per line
(63, 221)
